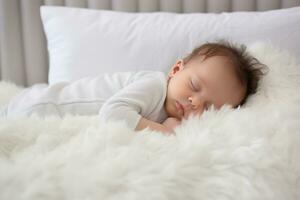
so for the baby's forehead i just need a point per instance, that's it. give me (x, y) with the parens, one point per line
(217, 72)
(214, 59)
(223, 59)
(213, 64)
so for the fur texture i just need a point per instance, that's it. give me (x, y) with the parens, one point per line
(246, 153)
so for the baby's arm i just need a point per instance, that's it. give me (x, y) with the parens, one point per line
(136, 101)
(171, 123)
(167, 126)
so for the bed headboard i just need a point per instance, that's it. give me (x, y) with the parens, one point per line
(23, 52)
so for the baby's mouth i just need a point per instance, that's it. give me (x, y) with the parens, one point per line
(179, 107)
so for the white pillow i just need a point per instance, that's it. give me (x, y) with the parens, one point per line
(84, 42)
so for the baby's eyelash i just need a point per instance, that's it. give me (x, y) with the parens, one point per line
(192, 86)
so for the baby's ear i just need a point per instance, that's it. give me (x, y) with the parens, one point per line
(178, 66)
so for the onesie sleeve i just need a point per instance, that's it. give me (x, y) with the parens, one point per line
(141, 96)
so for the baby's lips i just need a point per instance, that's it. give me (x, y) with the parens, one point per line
(180, 108)
(186, 110)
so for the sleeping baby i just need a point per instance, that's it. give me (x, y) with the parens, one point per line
(213, 75)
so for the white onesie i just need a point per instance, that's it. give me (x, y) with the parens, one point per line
(120, 96)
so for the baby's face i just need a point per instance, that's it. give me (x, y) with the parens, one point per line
(195, 86)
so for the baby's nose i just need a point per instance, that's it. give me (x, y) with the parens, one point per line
(195, 102)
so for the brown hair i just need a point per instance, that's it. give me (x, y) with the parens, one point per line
(248, 69)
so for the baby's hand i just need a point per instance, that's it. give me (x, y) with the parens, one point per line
(171, 123)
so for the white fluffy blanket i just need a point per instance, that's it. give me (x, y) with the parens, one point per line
(247, 153)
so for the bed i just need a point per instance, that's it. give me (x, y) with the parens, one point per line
(245, 153)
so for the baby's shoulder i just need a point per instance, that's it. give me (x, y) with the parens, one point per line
(152, 81)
